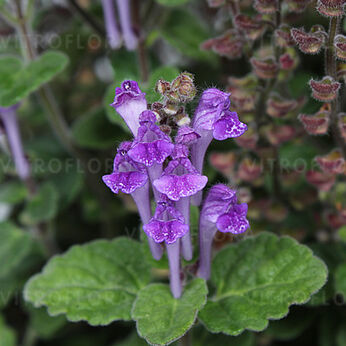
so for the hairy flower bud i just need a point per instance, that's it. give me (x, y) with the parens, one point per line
(331, 8)
(309, 42)
(266, 6)
(325, 90)
(243, 100)
(340, 47)
(248, 140)
(332, 163)
(322, 181)
(287, 62)
(277, 134)
(316, 124)
(278, 107)
(249, 170)
(162, 87)
(283, 36)
(253, 27)
(184, 86)
(223, 162)
(230, 44)
(265, 68)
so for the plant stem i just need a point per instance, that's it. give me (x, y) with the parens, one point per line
(330, 69)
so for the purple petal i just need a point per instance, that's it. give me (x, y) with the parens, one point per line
(147, 117)
(234, 221)
(168, 231)
(113, 35)
(212, 104)
(228, 126)
(130, 102)
(150, 153)
(175, 187)
(127, 182)
(186, 135)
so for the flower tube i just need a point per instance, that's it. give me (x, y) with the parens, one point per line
(9, 119)
(167, 225)
(220, 212)
(131, 178)
(213, 120)
(112, 32)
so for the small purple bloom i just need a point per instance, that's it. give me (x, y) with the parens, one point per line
(113, 35)
(186, 135)
(220, 212)
(9, 118)
(213, 120)
(180, 178)
(127, 174)
(130, 39)
(167, 225)
(130, 102)
(151, 146)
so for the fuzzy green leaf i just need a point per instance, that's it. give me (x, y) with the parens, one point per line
(31, 77)
(258, 279)
(7, 335)
(97, 282)
(340, 280)
(12, 193)
(161, 319)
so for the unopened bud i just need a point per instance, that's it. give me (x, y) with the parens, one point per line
(325, 90)
(316, 124)
(265, 68)
(266, 6)
(331, 8)
(310, 42)
(340, 47)
(278, 107)
(332, 163)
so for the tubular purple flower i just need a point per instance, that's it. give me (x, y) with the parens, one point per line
(213, 120)
(168, 226)
(131, 178)
(179, 181)
(112, 32)
(151, 146)
(9, 119)
(220, 212)
(130, 39)
(186, 135)
(130, 102)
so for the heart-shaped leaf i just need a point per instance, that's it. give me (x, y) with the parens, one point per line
(258, 279)
(97, 282)
(161, 319)
(27, 79)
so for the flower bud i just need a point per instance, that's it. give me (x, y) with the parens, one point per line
(325, 90)
(332, 163)
(342, 124)
(223, 162)
(297, 6)
(243, 100)
(266, 6)
(341, 71)
(162, 87)
(340, 47)
(184, 87)
(283, 36)
(249, 170)
(278, 107)
(265, 68)
(248, 140)
(322, 181)
(230, 44)
(316, 124)
(287, 62)
(311, 42)
(277, 134)
(331, 8)
(248, 82)
(253, 27)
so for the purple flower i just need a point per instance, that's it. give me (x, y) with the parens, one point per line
(180, 178)
(186, 135)
(130, 39)
(220, 212)
(151, 145)
(130, 102)
(167, 225)
(127, 174)
(131, 177)
(9, 118)
(113, 35)
(213, 120)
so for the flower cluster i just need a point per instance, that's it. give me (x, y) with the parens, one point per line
(171, 166)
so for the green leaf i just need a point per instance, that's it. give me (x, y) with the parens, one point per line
(97, 282)
(342, 233)
(258, 279)
(172, 2)
(42, 207)
(12, 193)
(340, 280)
(132, 340)
(185, 32)
(7, 335)
(15, 245)
(160, 318)
(94, 131)
(30, 77)
(167, 73)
